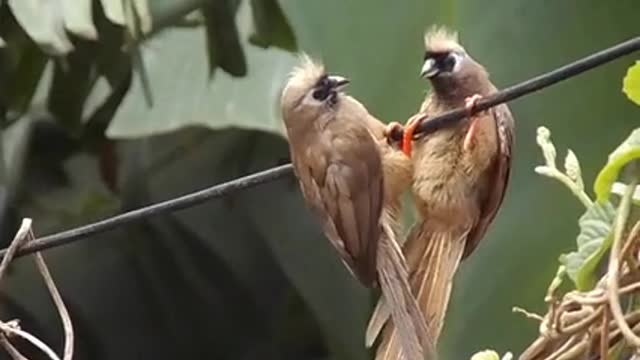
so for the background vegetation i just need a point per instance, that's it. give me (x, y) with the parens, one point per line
(136, 103)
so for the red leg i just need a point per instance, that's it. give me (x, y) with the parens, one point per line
(470, 104)
(409, 130)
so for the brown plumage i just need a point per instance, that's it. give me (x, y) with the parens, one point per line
(459, 181)
(342, 161)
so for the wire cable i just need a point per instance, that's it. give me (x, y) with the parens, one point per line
(445, 120)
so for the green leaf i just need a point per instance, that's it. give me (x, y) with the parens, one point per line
(223, 40)
(114, 11)
(2, 43)
(486, 355)
(178, 71)
(271, 26)
(628, 151)
(78, 18)
(631, 83)
(44, 22)
(593, 241)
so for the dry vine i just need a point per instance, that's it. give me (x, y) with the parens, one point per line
(11, 329)
(602, 322)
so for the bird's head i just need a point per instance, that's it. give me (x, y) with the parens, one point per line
(310, 91)
(448, 66)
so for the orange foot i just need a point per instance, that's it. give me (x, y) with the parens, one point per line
(392, 128)
(409, 130)
(469, 105)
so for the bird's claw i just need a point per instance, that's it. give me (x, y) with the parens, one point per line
(409, 130)
(392, 128)
(469, 105)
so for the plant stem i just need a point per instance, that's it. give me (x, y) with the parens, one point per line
(579, 193)
(614, 263)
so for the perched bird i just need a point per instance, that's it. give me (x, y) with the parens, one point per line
(341, 159)
(459, 180)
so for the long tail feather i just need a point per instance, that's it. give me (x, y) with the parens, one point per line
(415, 339)
(432, 258)
(381, 312)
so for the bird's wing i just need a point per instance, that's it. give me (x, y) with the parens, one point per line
(345, 188)
(500, 173)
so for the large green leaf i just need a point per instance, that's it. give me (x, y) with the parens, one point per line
(78, 18)
(628, 151)
(44, 22)
(593, 242)
(631, 83)
(271, 26)
(186, 96)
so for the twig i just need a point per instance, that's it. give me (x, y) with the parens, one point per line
(573, 340)
(11, 329)
(614, 264)
(604, 336)
(632, 239)
(13, 352)
(59, 303)
(582, 324)
(527, 314)
(17, 241)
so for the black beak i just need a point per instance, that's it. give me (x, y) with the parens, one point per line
(339, 82)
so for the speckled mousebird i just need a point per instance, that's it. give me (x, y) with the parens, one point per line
(459, 180)
(348, 174)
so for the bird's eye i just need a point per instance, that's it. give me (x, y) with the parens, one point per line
(449, 62)
(320, 94)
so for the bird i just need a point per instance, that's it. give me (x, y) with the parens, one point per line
(343, 161)
(460, 176)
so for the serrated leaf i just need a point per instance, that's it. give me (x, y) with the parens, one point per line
(43, 21)
(631, 83)
(78, 18)
(593, 242)
(628, 151)
(271, 26)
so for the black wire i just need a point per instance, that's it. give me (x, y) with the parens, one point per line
(532, 85)
(175, 204)
(217, 191)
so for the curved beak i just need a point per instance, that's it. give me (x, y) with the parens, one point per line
(429, 69)
(339, 82)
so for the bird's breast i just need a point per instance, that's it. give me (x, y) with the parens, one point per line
(447, 179)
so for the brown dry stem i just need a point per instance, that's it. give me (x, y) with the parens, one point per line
(11, 328)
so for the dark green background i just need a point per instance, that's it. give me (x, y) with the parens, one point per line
(250, 276)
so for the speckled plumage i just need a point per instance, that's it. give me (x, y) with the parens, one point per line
(457, 191)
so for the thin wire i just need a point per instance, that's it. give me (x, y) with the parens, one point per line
(182, 202)
(539, 82)
(448, 119)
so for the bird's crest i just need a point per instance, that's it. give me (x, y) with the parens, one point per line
(308, 71)
(440, 39)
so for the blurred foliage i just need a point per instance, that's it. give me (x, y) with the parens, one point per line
(110, 105)
(596, 224)
(631, 83)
